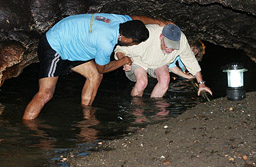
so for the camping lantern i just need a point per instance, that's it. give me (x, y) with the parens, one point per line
(235, 90)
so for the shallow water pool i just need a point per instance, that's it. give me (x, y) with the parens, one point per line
(62, 127)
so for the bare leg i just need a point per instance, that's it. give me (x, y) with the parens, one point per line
(141, 82)
(163, 77)
(92, 83)
(45, 93)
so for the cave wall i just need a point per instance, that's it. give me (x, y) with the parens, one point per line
(228, 23)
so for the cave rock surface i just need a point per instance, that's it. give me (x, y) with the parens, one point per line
(228, 23)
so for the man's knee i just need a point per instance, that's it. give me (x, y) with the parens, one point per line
(45, 95)
(141, 84)
(96, 78)
(164, 81)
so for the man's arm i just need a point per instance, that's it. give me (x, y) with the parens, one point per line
(201, 86)
(148, 20)
(176, 70)
(113, 65)
(126, 67)
(120, 55)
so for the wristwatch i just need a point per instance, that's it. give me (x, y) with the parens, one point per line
(201, 82)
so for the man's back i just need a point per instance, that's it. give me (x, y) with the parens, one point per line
(80, 37)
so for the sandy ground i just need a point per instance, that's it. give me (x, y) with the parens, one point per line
(219, 133)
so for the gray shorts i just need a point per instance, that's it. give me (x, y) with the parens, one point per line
(131, 76)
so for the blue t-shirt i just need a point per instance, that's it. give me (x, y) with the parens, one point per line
(173, 64)
(86, 36)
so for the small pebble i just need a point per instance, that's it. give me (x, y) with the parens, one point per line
(162, 157)
(231, 159)
(245, 157)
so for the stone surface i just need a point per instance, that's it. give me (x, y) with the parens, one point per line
(1, 108)
(229, 23)
(219, 133)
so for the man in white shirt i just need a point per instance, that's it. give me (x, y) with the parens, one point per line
(153, 57)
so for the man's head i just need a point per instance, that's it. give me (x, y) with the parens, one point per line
(133, 32)
(198, 47)
(170, 38)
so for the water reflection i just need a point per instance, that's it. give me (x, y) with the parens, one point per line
(38, 129)
(145, 113)
(87, 132)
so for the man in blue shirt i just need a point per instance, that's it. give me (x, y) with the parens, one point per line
(84, 43)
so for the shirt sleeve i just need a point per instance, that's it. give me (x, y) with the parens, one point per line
(173, 64)
(120, 49)
(188, 57)
(128, 18)
(182, 66)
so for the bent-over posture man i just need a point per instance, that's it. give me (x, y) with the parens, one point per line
(84, 43)
(153, 57)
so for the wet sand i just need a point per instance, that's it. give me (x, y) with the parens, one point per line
(219, 133)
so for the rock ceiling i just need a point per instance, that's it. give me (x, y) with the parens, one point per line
(228, 23)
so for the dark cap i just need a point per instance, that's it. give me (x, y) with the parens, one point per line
(172, 34)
